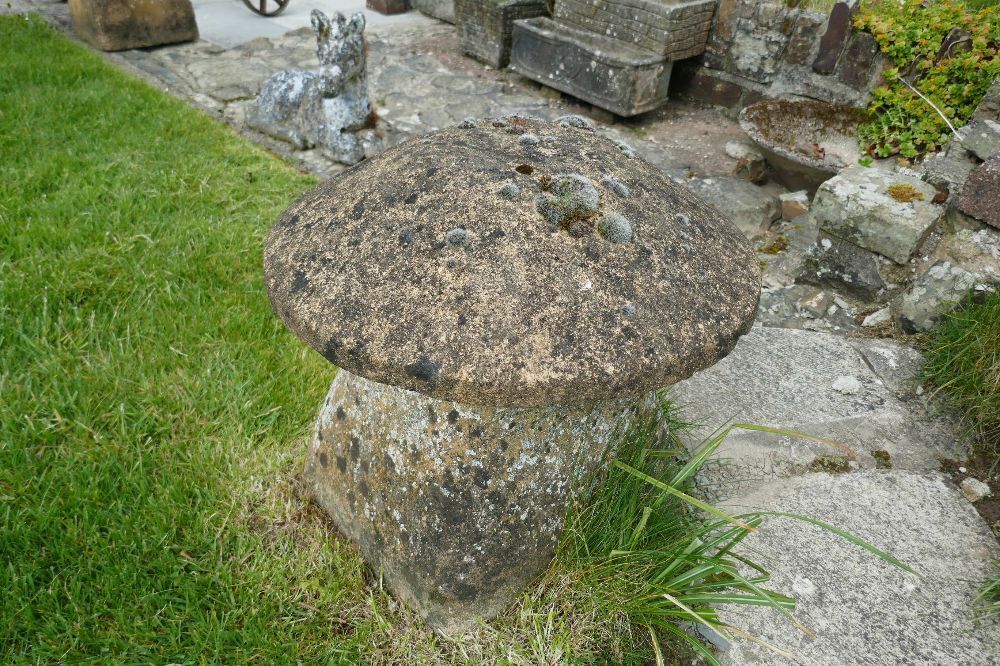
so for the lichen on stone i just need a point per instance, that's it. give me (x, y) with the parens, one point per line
(627, 150)
(615, 228)
(528, 139)
(509, 191)
(467, 123)
(616, 186)
(580, 228)
(457, 236)
(573, 120)
(570, 197)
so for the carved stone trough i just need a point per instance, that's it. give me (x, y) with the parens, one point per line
(806, 142)
(501, 298)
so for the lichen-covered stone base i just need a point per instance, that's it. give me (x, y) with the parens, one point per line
(457, 508)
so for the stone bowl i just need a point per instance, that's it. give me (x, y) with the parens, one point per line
(806, 142)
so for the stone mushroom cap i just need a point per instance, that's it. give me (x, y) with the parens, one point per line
(477, 265)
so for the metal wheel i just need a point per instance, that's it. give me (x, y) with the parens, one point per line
(266, 7)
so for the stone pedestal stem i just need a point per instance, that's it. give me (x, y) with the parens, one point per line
(457, 507)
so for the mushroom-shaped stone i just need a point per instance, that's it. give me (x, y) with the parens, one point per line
(522, 313)
(492, 345)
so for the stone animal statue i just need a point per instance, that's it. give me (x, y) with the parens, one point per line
(329, 107)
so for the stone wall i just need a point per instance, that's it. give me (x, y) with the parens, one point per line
(763, 48)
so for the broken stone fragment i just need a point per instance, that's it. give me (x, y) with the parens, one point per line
(750, 164)
(948, 170)
(933, 294)
(844, 266)
(488, 356)
(982, 192)
(878, 317)
(794, 204)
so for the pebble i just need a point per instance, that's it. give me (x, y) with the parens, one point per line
(847, 384)
(974, 489)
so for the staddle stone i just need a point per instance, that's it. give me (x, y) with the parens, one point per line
(502, 298)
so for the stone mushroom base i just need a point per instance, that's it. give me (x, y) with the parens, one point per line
(457, 507)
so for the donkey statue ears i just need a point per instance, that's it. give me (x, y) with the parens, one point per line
(340, 25)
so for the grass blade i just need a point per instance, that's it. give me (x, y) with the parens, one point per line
(857, 541)
(704, 506)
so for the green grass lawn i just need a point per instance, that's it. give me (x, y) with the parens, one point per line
(147, 393)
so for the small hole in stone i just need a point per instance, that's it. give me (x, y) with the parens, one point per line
(526, 169)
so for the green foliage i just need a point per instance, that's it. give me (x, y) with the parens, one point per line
(963, 360)
(910, 34)
(987, 604)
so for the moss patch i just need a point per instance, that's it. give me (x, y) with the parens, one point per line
(905, 193)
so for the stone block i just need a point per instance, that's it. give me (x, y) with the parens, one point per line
(756, 53)
(843, 266)
(803, 38)
(982, 138)
(677, 29)
(387, 6)
(747, 206)
(975, 250)
(933, 294)
(726, 17)
(981, 193)
(750, 164)
(605, 72)
(486, 28)
(117, 25)
(858, 205)
(838, 29)
(855, 68)
(443, 10)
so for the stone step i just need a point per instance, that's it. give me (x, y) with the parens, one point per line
(675, 29)
(603, 71)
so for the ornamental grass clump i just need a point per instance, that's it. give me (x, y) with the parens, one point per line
(651, 563)
(944, 56)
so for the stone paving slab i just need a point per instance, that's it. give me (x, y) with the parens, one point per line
(861, 609)
(229, 23)
(859, 393)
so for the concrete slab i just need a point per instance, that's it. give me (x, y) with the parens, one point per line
(230, 23)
